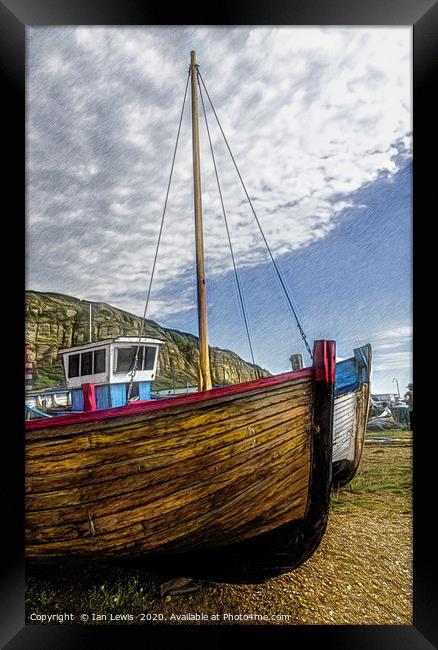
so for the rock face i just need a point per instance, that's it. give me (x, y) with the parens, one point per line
(55, 321)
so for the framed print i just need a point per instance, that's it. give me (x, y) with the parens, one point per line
(219, 218)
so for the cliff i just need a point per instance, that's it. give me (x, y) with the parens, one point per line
(55, 321)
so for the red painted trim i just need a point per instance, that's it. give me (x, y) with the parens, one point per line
(88, 391)
(324, 361)
(146, 406)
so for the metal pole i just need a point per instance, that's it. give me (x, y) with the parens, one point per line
(398, 389)
(172, 369)
(205, 382)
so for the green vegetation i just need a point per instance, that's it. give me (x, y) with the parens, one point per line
(88, 589)
(49, 376)
(55, 321)
(384, 478)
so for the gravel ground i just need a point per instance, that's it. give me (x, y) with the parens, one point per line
(360, 574)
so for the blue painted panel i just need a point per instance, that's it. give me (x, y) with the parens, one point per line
(103, 396)
(77, 399)
(346, 376)
(118, 394)
(352, 373)
(144, 390)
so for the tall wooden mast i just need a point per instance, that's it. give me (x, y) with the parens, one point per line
(204, 382)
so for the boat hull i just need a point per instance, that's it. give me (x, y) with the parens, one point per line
(352, 400)
(232, 484)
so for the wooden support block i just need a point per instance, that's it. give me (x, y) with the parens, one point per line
(178, 586)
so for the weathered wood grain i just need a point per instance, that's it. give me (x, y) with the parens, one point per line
(220, 471)
(142, 411)
(230, 521)
(121, 434)
(169, 512)
(119, 496)
(245, 409)
(175, 472)
(195, 446)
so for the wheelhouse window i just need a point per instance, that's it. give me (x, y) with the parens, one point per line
(87, 363)
(73, 365)
(149, 360)
(99, 361)
(125, 358)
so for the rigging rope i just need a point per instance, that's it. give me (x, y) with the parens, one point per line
(236, 275)
(134, 368)
(279, 276)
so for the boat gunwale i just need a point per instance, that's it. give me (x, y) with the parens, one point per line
(147, 406)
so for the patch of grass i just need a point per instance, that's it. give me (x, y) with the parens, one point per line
(46, 376)
(89, 589)
(40, 601)
(404, 434)
(383, 480)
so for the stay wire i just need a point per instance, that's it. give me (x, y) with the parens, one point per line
(134, 369)
(236, 274)
(279, 276)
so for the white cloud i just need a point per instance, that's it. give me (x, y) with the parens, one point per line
(311, 114)
(396, 334)
(391, 359)
(392, 349)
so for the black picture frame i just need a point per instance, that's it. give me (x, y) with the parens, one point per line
(15, 16)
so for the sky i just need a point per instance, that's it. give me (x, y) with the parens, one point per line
(319, 121)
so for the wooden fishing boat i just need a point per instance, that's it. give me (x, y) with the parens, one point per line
(229, 484)
(241, 473)
(352, 402)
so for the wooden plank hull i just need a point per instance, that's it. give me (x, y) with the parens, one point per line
(352, 399)
(231, 484)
